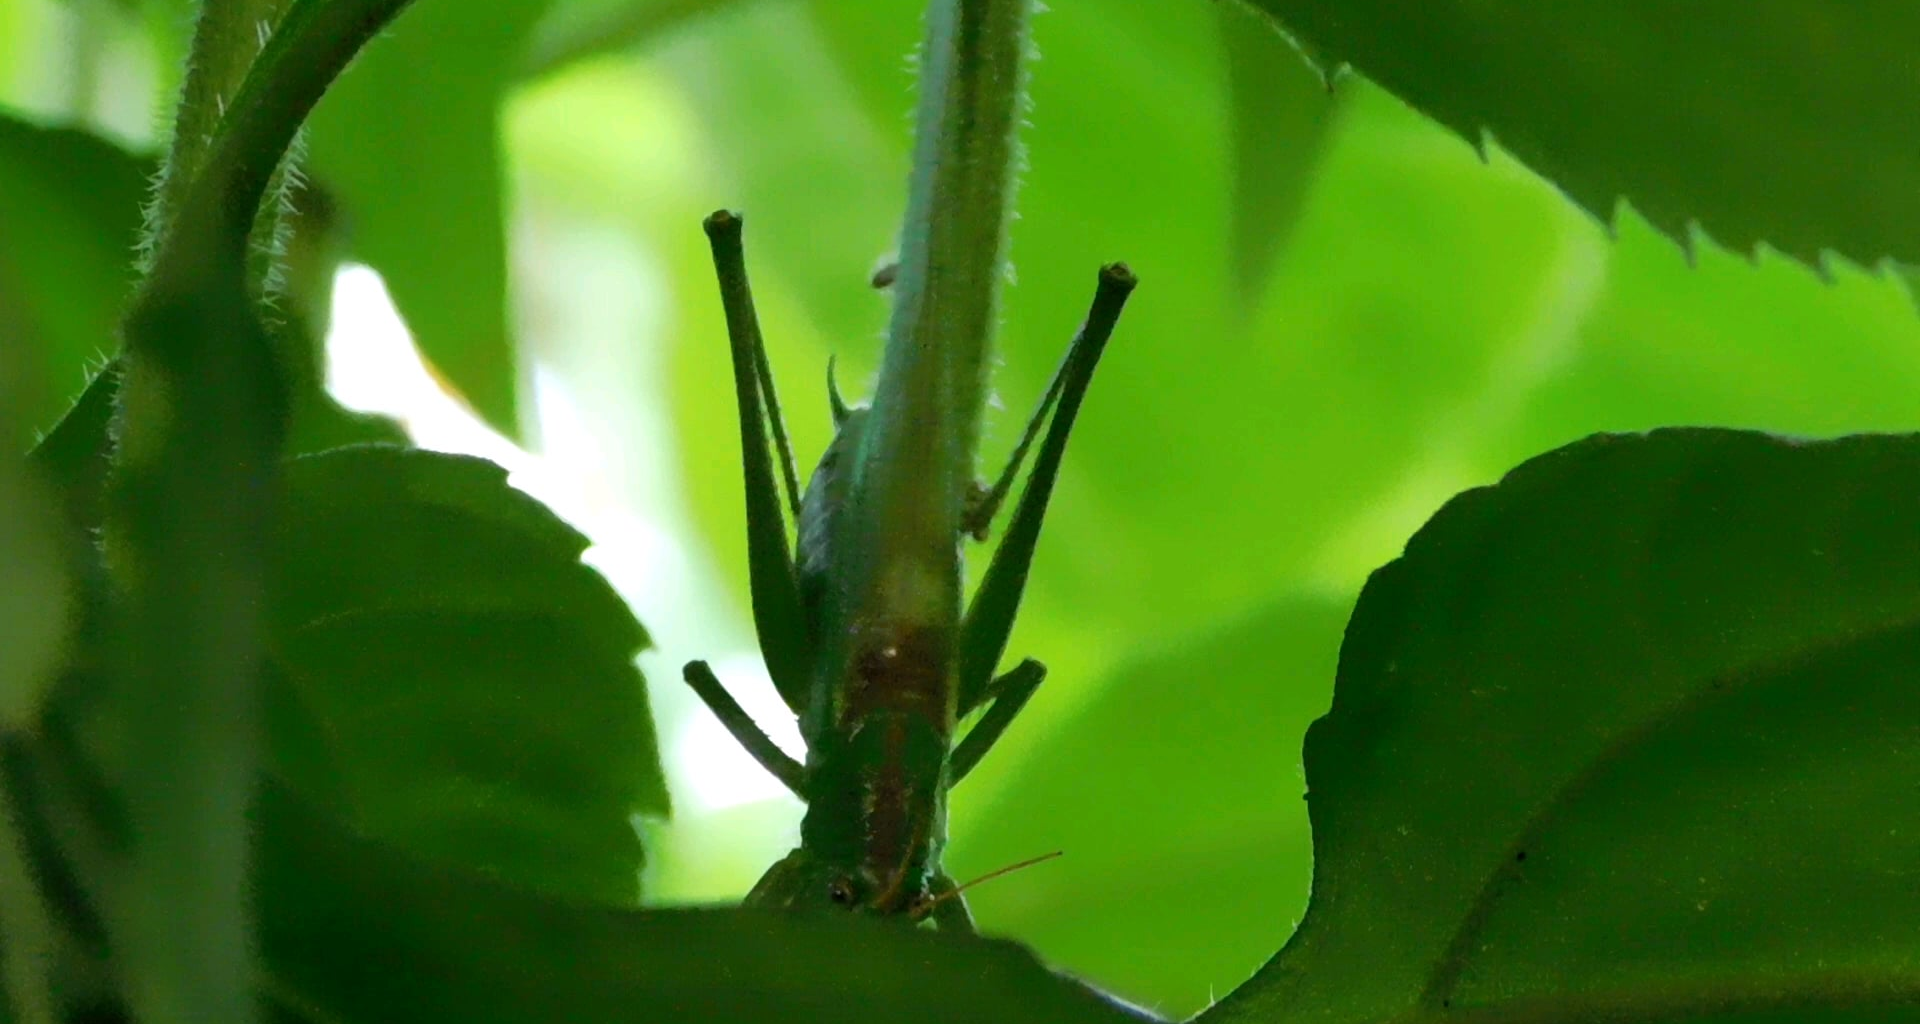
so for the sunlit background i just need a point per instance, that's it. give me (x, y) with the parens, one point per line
(1346, 316)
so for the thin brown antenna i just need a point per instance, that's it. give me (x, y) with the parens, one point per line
(927, 908)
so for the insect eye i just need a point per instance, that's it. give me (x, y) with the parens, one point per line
(840, 891)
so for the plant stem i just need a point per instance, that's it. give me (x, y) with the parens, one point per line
(189, 518)
(918, 452)
(226, 36)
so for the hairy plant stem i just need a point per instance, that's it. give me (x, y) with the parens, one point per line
(918, 452)
(189, 513)
(226, 37)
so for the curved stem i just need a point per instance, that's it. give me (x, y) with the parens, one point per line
(312, 45)
(227, 35)
(189, 521)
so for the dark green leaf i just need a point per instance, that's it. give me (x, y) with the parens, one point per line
(1782, 122)
(69, 222)
(72, 458)
(474, 681)
(356, 934)
(1630, 736)
(1174, 864)
(414, 160)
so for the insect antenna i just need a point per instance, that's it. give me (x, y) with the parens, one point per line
(927, 908)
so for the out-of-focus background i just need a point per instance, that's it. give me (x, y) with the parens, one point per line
(1346, 315)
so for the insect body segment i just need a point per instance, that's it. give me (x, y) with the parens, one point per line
(878, 692)
(820, 520)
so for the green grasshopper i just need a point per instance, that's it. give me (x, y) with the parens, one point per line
(877, 705)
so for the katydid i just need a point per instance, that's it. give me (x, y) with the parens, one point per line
(877, 699)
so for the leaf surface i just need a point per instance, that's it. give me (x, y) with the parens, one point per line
(354, 933)
(1779, 122)
(69, 223)
(1630, 736)
(470, 683)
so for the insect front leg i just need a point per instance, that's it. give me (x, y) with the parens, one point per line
(989, 619)
(741, 725)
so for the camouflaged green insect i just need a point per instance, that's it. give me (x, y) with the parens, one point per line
(878, 701)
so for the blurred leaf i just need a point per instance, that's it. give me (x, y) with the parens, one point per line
(353, 933)
(1281, 113)
(309, 260)
(1717, 339)
(69, 221)
(1781, 122)
(475, 681)
(72, 458)
(1175, 864)
(37, 607)
(577, 30)
(37, 601)
(1630, 758)
(414, 160)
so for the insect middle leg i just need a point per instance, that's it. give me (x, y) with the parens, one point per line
(1008, 694)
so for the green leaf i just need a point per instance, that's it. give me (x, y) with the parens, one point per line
(414, 161)
(1629, 736)
(1281, 114)
(1170, 870)
(1779, 123)
(69, 222)
(37, 617)
(354, 933)
(473, 681)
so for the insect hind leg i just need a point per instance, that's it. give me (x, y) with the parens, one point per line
(989, 619)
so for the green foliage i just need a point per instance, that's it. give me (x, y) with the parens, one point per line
(472, 681)
(1775, 123)
(340, 914)
(69, 219)
(1604, 759)
(353, 735)
(1281, 113)
(415, 159)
